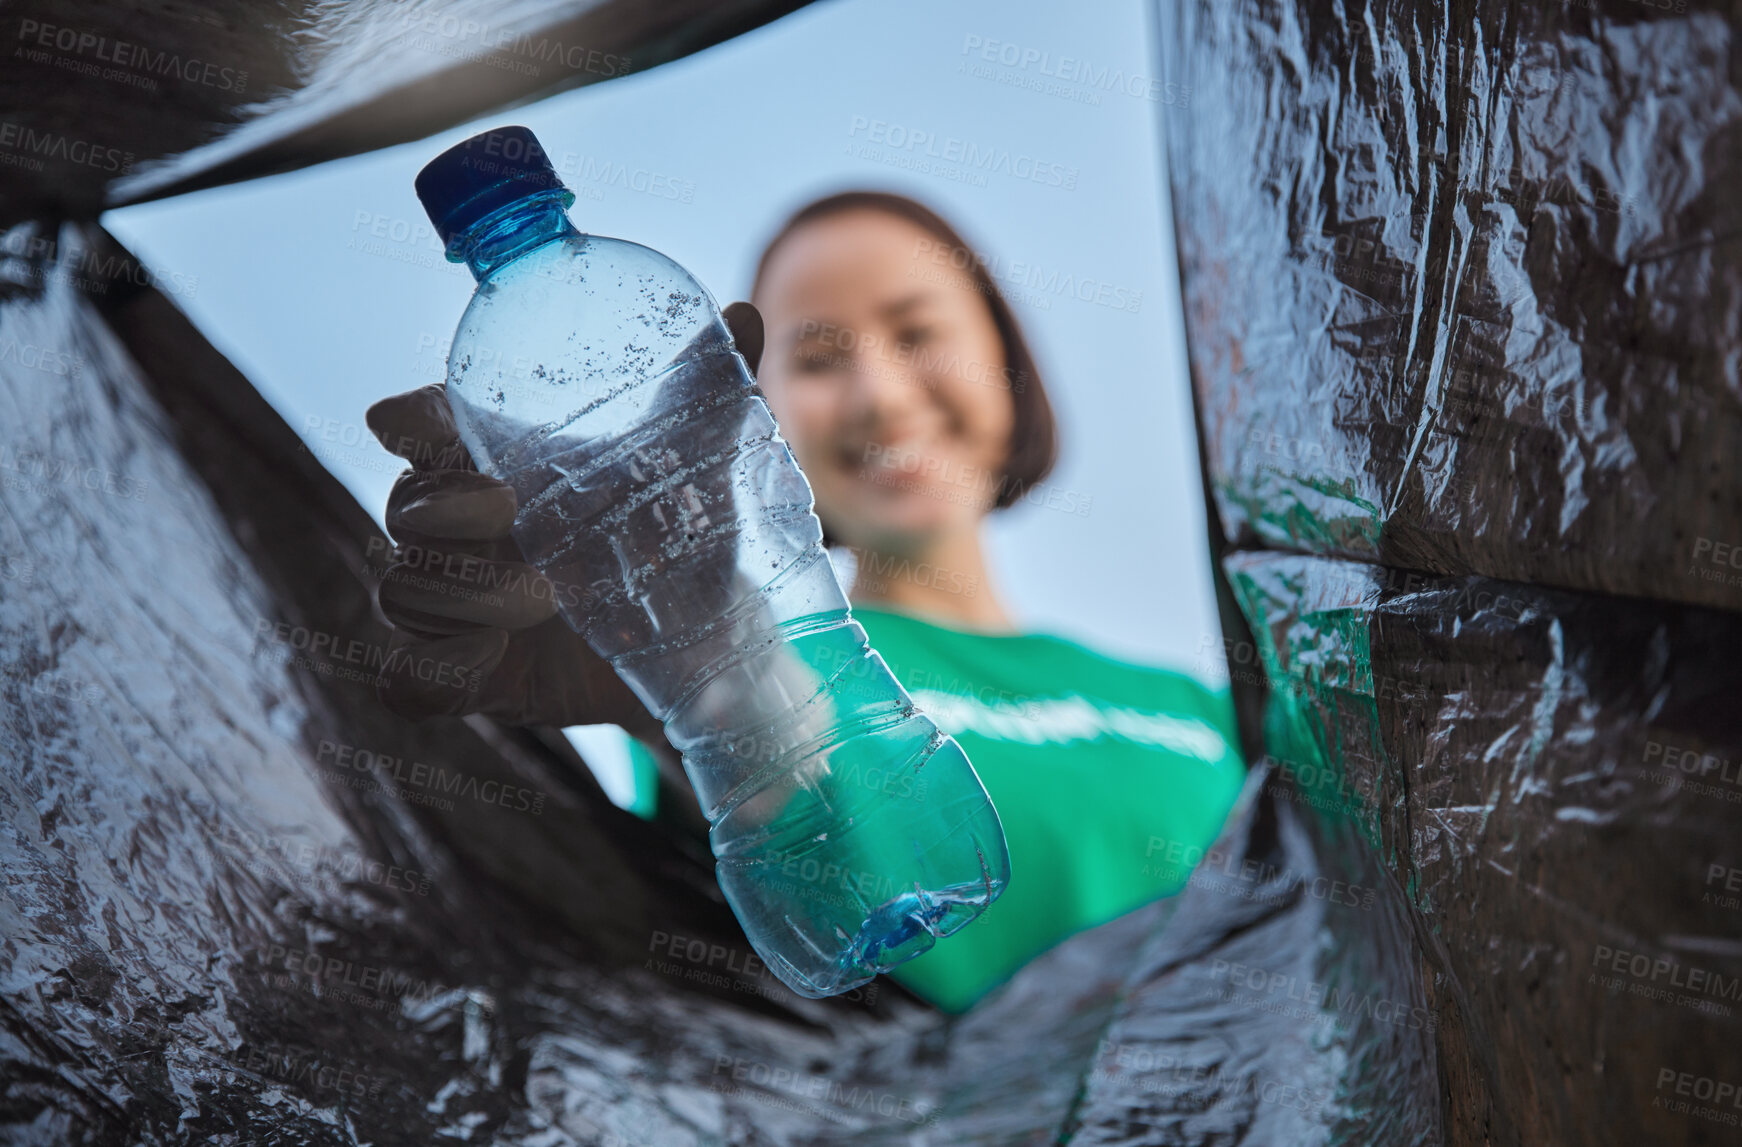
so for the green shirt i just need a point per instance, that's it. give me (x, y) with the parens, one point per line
(1110, 779)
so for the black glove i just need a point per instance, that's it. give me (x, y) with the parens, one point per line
(461, 595)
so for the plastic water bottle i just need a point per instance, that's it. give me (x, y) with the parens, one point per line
(597, 377)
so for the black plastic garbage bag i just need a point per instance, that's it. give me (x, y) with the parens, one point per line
(244, 904)
(1462, 301)
(1462, 284)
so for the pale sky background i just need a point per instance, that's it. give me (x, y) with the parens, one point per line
(327, 288)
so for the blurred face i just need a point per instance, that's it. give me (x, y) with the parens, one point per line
(886, 373)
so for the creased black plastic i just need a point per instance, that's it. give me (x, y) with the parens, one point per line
(1281, 1004)
(212, 933)
(1492, 801)
(1554, 778)
(1464, 312)
(107, 102)
(1463, 283)
(179, 846)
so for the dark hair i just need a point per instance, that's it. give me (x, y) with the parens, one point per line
(1034, 433)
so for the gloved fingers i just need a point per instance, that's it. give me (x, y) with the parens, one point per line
(456, 566)
(439, 678)
(458, 505)
(435, 593)
(419, 426)
(745, 323)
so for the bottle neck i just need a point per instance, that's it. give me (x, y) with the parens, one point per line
(504, 235)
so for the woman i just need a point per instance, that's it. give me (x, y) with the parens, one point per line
(901, 379)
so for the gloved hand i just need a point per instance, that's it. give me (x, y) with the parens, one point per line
(461, 596)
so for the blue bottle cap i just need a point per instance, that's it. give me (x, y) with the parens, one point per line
(484, 174)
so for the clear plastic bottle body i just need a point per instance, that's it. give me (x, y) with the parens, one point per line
(598, 378)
